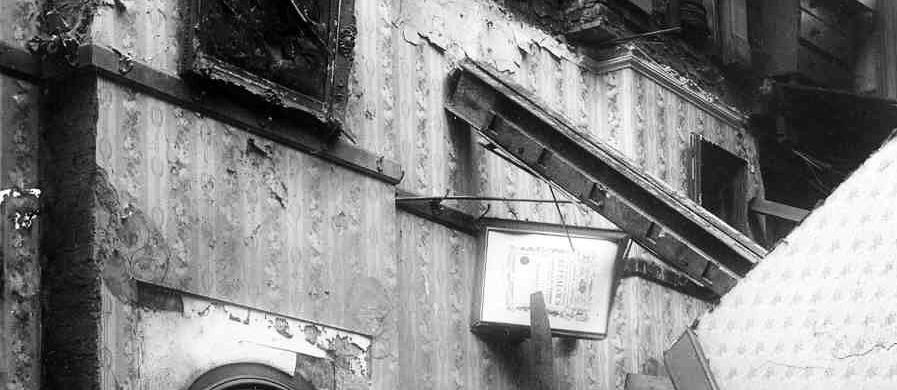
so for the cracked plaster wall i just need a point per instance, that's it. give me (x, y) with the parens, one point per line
(20, 264)
(188, 202)
(819, 312)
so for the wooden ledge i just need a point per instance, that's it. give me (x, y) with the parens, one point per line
(119, 68)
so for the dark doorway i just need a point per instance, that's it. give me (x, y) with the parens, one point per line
(720, 183)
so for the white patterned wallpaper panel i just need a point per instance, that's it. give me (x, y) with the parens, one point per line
(820, 312)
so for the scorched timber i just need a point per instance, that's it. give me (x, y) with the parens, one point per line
(678, 231)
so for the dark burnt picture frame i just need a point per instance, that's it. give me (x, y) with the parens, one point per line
(332, 35)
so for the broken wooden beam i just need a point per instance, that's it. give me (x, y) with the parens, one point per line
(437, 212)
(132, 73)
(19, 63)
(678, 231)
(540, 339)
(778, 210)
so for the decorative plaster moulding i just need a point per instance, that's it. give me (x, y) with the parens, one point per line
(674, 82)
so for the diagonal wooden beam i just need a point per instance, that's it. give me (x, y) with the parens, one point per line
(671, 226)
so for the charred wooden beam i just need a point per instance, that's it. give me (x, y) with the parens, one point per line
(19, 63)
(144, 78)
(435, 211)
(779, 210)
(667, 277)
(122, 69)
(671, 226)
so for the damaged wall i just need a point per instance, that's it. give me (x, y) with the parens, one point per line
(819, 312)
(185, 201)
(201, 206)
(20, 265)
(20, 268)
(406, 49)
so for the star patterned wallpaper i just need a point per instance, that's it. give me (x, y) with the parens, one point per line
(820, 312)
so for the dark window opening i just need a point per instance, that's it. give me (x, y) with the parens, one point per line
(720, 183)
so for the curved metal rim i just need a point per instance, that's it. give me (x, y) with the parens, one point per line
(248, 380)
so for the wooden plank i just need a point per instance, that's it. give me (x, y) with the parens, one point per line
(736, 47)
(644, 5)
(439, 213)
(503, 112)
(694, 167)
(887, 20)
(540, 339)
(280, 128)
(647, 382)
(642, 229)
(826, 38)
(779, 210)
(667, 277)
(836, 13)
(823, 70)
(687, 366)
(19, 63)
(777, 35)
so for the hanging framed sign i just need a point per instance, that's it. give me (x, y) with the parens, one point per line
(576, 269)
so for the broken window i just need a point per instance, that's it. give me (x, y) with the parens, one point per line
(719, 183)
(293, 54)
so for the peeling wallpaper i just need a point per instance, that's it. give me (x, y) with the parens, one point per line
(20, 265)
(18, 21)
(194, 204)
(190, 203)
(436, 267)
(197, 205)
(819, 312)
(406, 50)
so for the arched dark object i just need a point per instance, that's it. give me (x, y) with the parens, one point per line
(248, 376)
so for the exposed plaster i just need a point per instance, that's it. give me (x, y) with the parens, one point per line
(64, 25)
(178, 346)
(128, 244)
(25, 203)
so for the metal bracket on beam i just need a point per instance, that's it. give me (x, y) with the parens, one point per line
(432, 209)
(675, 229)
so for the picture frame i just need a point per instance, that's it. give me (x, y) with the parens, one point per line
(516, 257)
(301, 65)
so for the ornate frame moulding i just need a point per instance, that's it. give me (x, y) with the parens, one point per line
(263, 53)
(670, 80)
